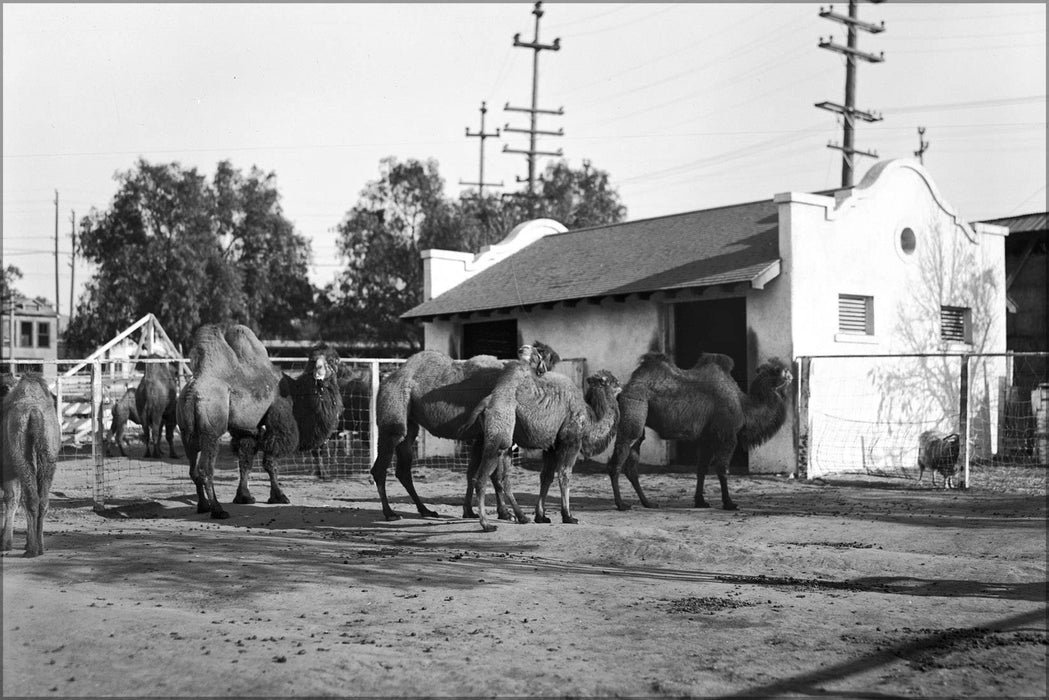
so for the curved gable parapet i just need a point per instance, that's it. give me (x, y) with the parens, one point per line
(884, 169)
(521, 236)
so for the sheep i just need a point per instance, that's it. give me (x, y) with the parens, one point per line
(938, 452)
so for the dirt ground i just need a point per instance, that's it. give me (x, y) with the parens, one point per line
(859, 586)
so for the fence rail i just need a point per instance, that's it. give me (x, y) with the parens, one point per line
(865, 413)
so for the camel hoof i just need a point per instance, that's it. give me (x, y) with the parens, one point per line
(701, 504)
(391, 516)
(570, 520)
(279, 498)
(427, 513)
(219, 514)
(243, 500)
(489, 528)
(730, 506)
(622, 506)
(542, 519)
(505, 516)
(469, 515)
(28, 554)
(203, 507)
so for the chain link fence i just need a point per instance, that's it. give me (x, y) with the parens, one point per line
(102, 458)
(866, 413)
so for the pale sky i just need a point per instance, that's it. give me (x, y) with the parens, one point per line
(687, 106)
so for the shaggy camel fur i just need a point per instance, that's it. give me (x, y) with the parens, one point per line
(549, 413)
(155, 399)
(703, 403)
(237, 389)
(938, 452)
(31, 438)
(124, 410)
(432, 391)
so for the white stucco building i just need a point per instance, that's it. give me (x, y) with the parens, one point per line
(888, 267)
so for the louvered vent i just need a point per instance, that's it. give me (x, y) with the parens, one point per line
(954, 324)
(855, 314)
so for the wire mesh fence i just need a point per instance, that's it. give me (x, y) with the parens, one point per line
(868, 413)
(103, 452)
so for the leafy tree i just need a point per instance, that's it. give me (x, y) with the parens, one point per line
(191, 252)
(405, 212)
(7, 286)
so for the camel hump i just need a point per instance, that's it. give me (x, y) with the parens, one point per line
(235, 356)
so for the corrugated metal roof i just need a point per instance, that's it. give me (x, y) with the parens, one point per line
(1022, 223)
(695, 249)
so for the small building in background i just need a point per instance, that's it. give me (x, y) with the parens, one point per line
(860, 277)
(30, 337)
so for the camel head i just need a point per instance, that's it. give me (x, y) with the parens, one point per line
(604, 378)
(544, 357)
(540, 356)
(323, 363)
(774, 374)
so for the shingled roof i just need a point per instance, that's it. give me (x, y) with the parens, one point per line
(696, 249)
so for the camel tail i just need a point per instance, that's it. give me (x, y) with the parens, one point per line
(38, 454)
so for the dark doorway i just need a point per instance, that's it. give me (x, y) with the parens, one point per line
(718, 325)
(497, 338)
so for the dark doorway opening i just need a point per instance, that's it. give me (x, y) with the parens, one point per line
(718, 325)
(497, 338)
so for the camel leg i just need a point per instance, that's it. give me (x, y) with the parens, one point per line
(206, 463)
(546, 477)
(269, 463)
(627, 452)
(720, 456)
(31, 502)
(388, 440)
(12, 490)
(565, 462)
(500, 483)
(43, 489)
(246, 449)
(170, 430)
(320, 469)
(153, 438)
(490, 461)
(405, 454)
(473, 464)
(504, 492)
(203, 506)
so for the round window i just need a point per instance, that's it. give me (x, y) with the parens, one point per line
(907, 241)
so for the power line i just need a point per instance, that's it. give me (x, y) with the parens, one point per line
(848, 111)
(533, 131)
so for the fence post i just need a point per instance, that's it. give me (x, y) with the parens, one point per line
(802, 427)
(373, 425)
(963, 418)
(96, 434)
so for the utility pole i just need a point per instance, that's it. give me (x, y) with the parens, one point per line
(848, 110)
(72, 259)
(57, 302)
(482, 134)
(923, 145)
(534, 111)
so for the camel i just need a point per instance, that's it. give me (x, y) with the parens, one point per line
(31, 439)
(432, 391)
(155, 399)
(703, 403)
(548, 413)
(236, 389)
(124, 410)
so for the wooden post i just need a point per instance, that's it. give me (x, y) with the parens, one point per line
(96, 433)
(373, 432)
(802, 428)
(963, 419)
